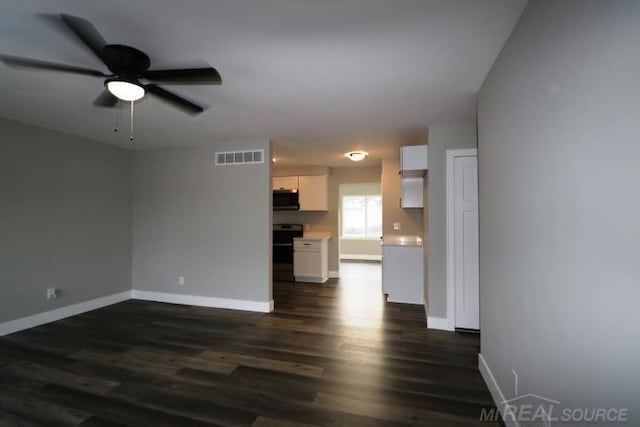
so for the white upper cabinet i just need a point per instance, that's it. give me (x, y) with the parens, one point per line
(314, 192)
(285, 182)
(414, 158)
(414, 161)
(412, 193)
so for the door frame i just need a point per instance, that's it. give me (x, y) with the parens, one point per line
(451, 156)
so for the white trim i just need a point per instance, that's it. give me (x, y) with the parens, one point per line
(494, 390)
(440, 323)
(361, 257)
(234, 304)
(334, 274)
(38, 319)
(61, 313)
(310, 279)
(364, 238)
(451, 155)
(403, 300)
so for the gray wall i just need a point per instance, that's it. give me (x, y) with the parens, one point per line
(326, 221)
(559, 167)
(65, 219)
(441, 139)
(210, 224)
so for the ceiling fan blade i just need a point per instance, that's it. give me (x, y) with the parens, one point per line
(175, 100)
(207, 75)
(106, 99)
(85, 32)
(16, 61)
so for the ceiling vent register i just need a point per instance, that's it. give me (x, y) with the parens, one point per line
(239, 157)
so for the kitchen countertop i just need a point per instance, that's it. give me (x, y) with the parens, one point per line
(315, 235)
(397, 240)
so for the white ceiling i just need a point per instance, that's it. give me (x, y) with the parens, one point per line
(318, 77)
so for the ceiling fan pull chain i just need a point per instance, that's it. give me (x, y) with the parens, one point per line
(131, 130)
(116, 125)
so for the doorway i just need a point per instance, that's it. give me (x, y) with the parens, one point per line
(360, 229)
(360, 222)
(463, 290)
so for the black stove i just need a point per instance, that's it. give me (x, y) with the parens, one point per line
(283, 235)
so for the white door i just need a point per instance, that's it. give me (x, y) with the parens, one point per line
(466, 249)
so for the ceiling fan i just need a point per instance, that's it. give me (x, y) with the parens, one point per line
(128, 66)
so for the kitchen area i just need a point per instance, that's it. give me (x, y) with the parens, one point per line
(299, 253)
(307, 231)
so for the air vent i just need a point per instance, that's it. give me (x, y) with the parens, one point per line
(239, 157)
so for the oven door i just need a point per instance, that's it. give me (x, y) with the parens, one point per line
(283, 253)
(283, 262)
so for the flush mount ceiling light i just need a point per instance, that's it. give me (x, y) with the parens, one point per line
(125, 90)
(356, 156)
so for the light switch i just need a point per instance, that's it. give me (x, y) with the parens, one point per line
(396, 226)
(180, 280)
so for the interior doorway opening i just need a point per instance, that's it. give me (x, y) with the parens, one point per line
(360, 222)
(360, 252)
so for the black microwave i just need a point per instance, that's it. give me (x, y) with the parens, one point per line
(286, 200)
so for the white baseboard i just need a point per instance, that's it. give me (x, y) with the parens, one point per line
(361, 257)
(234, 304)
(441, 323)
(38, 319)
(391, 298)
(60, 313)
(494, 390)
(334, 274)
(310, 279)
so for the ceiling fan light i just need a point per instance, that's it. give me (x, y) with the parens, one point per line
(125, 90)
(356, 156)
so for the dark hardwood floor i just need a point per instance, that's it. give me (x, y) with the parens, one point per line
(329, 355)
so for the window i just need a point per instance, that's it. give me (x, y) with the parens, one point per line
(362, 216)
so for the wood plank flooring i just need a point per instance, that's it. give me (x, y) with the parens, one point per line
(329, 355)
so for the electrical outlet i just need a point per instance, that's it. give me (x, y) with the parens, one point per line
(180, 280)
(52, 293)
(396, 226)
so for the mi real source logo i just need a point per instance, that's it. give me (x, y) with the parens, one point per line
(533, 408)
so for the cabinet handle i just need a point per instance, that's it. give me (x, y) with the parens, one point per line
(307, 244)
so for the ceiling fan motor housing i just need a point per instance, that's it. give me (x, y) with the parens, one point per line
(125, 61)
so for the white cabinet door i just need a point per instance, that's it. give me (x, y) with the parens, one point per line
(306, 263)
(412, 193)
(403, 274)
(310, 260)
(314, 193)
(285, 182)
(414, 158)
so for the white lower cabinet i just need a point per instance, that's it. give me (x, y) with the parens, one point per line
(403, 273)
(311, 260)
